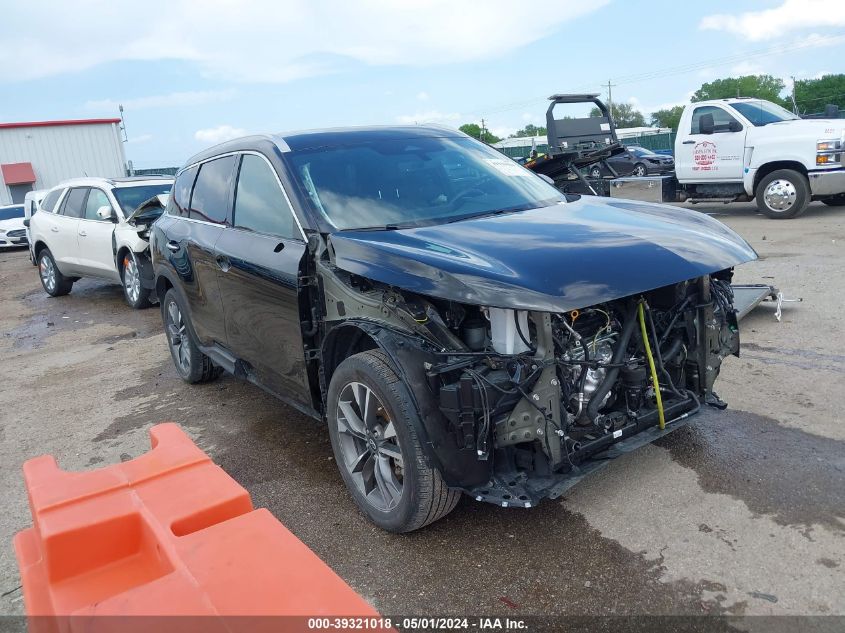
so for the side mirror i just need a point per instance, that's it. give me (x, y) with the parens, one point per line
(106, 213)
(26, 223)
(705, 124)
(735, 126)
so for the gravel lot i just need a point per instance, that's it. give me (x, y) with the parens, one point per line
(737, 513)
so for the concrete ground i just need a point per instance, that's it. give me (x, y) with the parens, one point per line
(740, 513)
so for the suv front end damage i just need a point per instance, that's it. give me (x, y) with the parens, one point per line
(515, 404)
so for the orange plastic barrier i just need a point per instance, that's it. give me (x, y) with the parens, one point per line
(168, 533)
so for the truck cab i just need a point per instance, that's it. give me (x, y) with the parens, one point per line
(743, 149)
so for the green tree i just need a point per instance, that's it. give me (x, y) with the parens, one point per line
(760, 86)
(624, 115)
(474, 130)
(812, 95)
(668, 117)
(529, 130)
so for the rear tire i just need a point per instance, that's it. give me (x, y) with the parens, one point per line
(835, 201)
(783, 194)
(137, 297)
(191, 364)
(53, 281)
(379, 455)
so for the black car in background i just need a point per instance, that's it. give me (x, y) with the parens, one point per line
(636, 161)
(460, 324)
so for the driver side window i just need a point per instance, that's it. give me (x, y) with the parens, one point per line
(721, 119)
(96, 198)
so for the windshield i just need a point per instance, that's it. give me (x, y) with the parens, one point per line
(761, 113)
(130, 197)
(412, 182)
(8, 213)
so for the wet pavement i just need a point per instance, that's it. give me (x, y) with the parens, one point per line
(741, 512)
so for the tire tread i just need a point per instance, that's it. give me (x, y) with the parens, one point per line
(435, 499)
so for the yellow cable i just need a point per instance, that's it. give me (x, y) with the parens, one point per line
(651, 367)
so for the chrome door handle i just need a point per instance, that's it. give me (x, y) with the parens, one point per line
(83, 233)
(54, 229)
(173, 246)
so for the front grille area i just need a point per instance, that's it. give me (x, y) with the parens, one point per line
(16, 233)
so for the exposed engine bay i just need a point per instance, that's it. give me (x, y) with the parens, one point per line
(534, 396)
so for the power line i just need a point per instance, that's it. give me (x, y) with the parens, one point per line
(678, 70)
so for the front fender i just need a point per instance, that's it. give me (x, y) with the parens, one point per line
(459, 467)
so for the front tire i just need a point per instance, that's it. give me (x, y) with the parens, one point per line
(137, 297)
(53, 281)
(372, 426)
(640, 170)
(783, 194)
(191, 364)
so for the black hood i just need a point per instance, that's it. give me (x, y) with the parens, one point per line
(557, 258)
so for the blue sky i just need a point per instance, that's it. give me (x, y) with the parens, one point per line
(192, 73)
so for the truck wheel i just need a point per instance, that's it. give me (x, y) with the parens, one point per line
(134, 292)
(835, 201)
(54, 282)
(372, 428)
(191, 364)
(783, 194)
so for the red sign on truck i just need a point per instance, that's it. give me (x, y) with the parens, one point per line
(704, 156)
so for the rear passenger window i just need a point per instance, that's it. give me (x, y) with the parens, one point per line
(259, 202)
(210, 199)
(50, 200)
(74, 205)
(180, 198)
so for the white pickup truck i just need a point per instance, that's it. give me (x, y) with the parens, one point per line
(742, 149)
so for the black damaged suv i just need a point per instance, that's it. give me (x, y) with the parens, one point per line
(460, 324)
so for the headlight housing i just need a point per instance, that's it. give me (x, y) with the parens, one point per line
(828, 152)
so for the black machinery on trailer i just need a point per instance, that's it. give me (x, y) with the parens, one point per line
(578, 144)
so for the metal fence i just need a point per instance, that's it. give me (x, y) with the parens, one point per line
(654, 142)
(664, 142)
(158, 171)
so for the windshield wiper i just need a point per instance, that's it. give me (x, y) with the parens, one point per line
(494, 212)
(378, 227)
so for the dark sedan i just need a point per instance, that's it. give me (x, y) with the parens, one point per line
(635, 161)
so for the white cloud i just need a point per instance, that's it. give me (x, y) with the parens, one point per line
(791, 15)
(267, 40)
(189, 98)
(429, 116)
(141, 138)
(423, 96)
(502, 131)
(219, 134)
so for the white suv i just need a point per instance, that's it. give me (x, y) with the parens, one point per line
(98, 227)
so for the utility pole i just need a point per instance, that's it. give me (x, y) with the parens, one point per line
(794, 103)
(483, 130)
(610, 87)
(122, 123)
